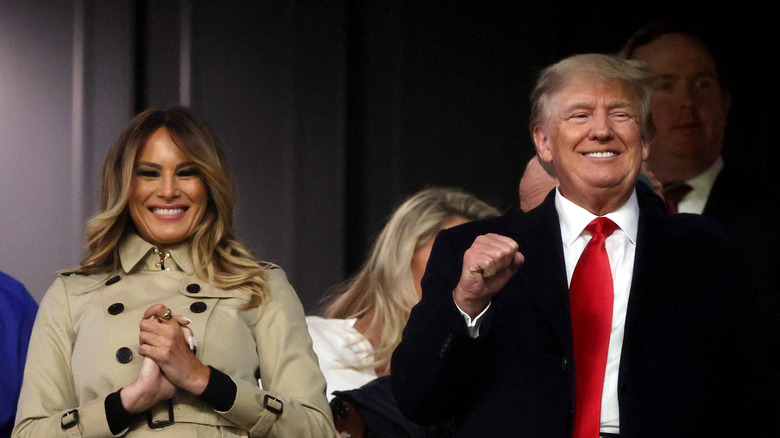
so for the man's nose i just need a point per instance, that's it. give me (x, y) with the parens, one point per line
(686, 96)
(600, 128)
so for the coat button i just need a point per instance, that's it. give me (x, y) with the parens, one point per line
(198, 307)
(116, 308)
(564, 364)
(193, 288)
(113, 280)
(124, 355)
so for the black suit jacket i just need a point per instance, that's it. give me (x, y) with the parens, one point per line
(685, 367)
(750, 214)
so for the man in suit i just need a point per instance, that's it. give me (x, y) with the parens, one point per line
(513, 340)
(690, 107)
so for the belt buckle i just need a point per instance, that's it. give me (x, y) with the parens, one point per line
(159, 424)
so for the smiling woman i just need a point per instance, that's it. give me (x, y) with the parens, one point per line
(133, 340)
(167, 195)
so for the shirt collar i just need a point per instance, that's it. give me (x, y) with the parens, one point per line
(702, 183)
(573, 218)
(133, 249)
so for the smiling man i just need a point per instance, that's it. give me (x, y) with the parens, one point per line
(595, 314)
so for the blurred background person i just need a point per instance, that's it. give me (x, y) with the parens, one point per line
(162, 255)
(690, 107)
(537, 181)
(17, 314)
(362, 322)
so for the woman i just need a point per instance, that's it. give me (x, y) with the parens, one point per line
(362, 324)
(169, 327)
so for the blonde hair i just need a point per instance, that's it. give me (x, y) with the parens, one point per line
(634, 74)
(217, 257)
(385, 283)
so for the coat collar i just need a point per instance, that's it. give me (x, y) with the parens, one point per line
(133, 250)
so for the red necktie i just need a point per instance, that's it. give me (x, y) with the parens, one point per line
(673, 192)
(591, 297)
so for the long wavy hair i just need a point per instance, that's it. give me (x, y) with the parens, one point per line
(218, 258)
(385, 283)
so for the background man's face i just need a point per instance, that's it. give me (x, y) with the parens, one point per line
(689, 107)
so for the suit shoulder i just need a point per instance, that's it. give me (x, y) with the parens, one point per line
(698, 227)
(497, 225)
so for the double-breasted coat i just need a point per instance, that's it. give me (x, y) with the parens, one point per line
(84, 346)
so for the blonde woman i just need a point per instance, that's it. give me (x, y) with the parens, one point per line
(170, 327)
(362, 323)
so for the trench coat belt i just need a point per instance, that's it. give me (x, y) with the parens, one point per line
(182, 412)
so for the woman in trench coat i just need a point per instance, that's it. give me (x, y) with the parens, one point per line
(170, 327)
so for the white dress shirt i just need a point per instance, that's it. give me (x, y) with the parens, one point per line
(701, 186)
(621, 249)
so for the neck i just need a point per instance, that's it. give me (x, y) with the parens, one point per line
(672, 169)
(604, 202)
(362, 324)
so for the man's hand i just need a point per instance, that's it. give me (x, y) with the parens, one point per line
(487, 267)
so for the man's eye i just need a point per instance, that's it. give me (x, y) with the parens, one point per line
(663, 85)
(703, 83)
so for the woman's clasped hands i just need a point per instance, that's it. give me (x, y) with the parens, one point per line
(169, 362)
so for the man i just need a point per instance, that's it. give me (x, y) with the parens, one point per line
(690, 107)
(513, 340)
(17, 314)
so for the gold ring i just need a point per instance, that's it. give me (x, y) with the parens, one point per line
(167, 315)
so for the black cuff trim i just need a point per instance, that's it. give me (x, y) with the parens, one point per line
(116, 415)
(220, 393)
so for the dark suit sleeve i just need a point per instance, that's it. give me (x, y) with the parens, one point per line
(433, 365)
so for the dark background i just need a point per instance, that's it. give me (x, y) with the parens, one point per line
(332, 112)
(436, 92)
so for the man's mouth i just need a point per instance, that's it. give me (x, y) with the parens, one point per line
(602, 154)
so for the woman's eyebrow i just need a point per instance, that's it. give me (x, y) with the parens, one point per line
(148, 164)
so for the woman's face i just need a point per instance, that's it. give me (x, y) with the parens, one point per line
(420, 257)
(168, 198)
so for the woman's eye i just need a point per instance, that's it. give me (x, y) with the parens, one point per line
(188, 172)
(147, 173)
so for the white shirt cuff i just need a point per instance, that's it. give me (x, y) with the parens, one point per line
(473, 324)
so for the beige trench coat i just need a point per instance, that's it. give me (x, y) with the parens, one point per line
(84, 346)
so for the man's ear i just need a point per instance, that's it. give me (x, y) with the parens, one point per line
(645, 149)
(542, 142)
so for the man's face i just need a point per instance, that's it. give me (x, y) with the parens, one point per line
(689, 107)
(593, 139)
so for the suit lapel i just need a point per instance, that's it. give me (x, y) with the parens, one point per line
(543, 275)
(652, 255)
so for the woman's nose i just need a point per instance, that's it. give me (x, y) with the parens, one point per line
(169, 187)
